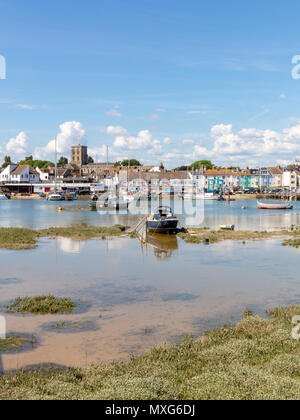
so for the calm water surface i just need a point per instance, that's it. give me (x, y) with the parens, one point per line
(131, 298)
(38, 214)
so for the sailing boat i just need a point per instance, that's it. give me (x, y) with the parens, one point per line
(55, 196)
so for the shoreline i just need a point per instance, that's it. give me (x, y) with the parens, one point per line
(256, 359)
(25, 239)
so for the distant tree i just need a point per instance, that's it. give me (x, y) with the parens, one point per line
(202, 164)
(62, 162)
(7, 161)
(132, 162)
(27, 161)
(42, 164)
(90, 159)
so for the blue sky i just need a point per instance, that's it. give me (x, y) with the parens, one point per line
(164, 80)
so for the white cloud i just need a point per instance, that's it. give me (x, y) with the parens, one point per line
(167, 140)
(197, 112)
(25, 106)
(116, 131)
(187, 141)
(251, 144)
(71, 132)
(18, 145)
(282, 96)
(113, 113)
(143, 140)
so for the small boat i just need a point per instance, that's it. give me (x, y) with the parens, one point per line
(227, 227)
(162, 221)
(3, 196)
(274, 206)
(54, 197)
(112, 203)
(205, 196)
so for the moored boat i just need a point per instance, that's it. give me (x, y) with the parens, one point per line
(162, 221)
(54, 197)
(274, 206)
(3, 196)
(227, 227)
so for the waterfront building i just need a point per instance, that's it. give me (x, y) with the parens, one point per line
(24, 174)
(290, 179)
(18, 174)
(5, 175)
(276, 174)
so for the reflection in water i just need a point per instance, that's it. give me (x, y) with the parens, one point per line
(70, 246)
(162, 245)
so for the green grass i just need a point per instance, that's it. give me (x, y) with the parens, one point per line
(17, 238)
(256, 359)
(15, 342)
(295, 243)
(22, 239)
(41, 305)
(196, 236)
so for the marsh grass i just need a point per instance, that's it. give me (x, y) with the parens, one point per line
(295, 243)
(65, 327)
(41, 305)
(25, 239)
(256, 359)
(83, 232)
(15, 342)
(17, 238)
(196, 236)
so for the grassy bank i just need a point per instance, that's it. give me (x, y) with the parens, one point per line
(197, 236)
(256, 359)
(22, 239)
(41, 305)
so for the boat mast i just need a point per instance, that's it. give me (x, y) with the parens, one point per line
(55, 176)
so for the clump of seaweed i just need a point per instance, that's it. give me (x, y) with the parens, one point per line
(41, 305)
(15, 342)
(295, 243)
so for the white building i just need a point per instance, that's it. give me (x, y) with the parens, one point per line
(24, 174)
(44, 176)
(290, 180)
(5, 175)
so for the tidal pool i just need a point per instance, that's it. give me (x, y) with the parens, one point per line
(136, 297)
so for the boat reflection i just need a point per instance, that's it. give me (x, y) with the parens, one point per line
(163, 245)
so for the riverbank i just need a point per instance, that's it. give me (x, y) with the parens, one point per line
(24, 239)
(198, 236)
(256, 359)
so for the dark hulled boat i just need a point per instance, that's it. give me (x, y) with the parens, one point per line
(162, 221)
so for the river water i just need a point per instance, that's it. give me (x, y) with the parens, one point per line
(132, 297)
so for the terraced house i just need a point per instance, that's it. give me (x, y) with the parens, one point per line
(242, 178)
